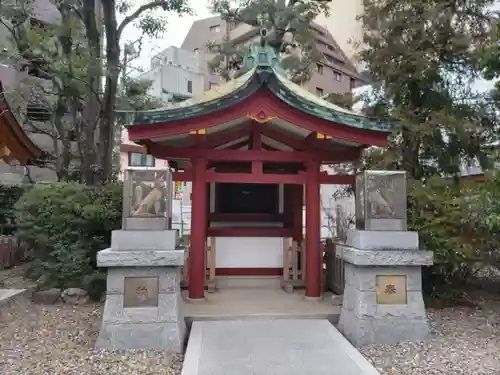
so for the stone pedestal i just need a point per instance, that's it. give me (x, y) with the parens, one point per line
(383, 301)
(143, 308)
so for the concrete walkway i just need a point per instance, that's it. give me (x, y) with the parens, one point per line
(271, 347)
(239, 304)
(7, 294)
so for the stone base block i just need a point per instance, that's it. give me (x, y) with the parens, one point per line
(144, 239)
(140, 258)
(383, 304)
(155, 336)
(361, 332)
(146, 223)
(382, 240)
(143, 307)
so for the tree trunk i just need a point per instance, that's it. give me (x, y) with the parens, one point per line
(89, 171)
(108, 118)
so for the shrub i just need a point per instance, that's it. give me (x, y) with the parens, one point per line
(9, 195)
(67, 224)
(459, 223)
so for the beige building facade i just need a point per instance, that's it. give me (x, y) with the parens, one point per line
(335, 74)
(343, 24)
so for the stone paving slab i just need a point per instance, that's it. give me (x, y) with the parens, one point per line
(271, 347)
(7, 294)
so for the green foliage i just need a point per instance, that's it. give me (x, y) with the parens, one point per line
(288, 25)
(9, 195)
(422, 57)
(460, 224)
(136, 97)
(67, 224)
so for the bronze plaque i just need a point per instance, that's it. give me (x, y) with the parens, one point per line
(141, 292)
(391, 290)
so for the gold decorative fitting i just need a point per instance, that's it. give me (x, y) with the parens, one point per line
(261, 117)
(323, 136)
(200, 131)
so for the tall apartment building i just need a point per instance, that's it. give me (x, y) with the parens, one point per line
(343, 24)
(335, 74)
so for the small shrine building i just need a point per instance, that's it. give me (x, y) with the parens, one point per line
(253, 149)
(15, 145)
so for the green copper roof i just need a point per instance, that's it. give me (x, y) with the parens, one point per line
(260, 68)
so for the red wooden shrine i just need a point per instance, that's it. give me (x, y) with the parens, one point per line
(258, 129)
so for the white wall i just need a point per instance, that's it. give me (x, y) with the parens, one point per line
(249, 252)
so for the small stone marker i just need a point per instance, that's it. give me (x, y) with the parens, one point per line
(391, 289)
(141, 291)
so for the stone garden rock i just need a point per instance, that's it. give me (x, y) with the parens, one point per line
(46, 297)
(75, 296)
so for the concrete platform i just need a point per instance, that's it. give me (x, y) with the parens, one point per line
(259, 303)
(7, 294)
(272, 347)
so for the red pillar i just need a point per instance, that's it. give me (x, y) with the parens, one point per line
(313, 228)
(297, 211)
(197, 253)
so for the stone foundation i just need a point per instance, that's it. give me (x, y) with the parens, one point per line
(383, 301)
(143, 308)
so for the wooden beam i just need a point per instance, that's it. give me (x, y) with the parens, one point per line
(324, 178)
(216, 140)
(186, 175)
(256, 178)
(161, 152)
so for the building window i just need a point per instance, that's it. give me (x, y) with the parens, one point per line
(337, 76)
(319, 68)
(352, 83)
(212, 85)
(136, 159)
(190, 87)
(215, 29)
(319, 91)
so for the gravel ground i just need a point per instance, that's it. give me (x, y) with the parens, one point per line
(464, 341)
(59, 339)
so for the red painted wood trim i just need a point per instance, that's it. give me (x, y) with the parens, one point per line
(256, 178)
(248, 271)
(216, 140)
(131, 148)
(261, 102)
(186, 175)
(264, 178)
(197, 251)
(165, 153)
(248, 232)
(313, 228)
(14, 136)
(245, 217)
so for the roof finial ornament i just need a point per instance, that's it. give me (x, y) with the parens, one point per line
(262, 20)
